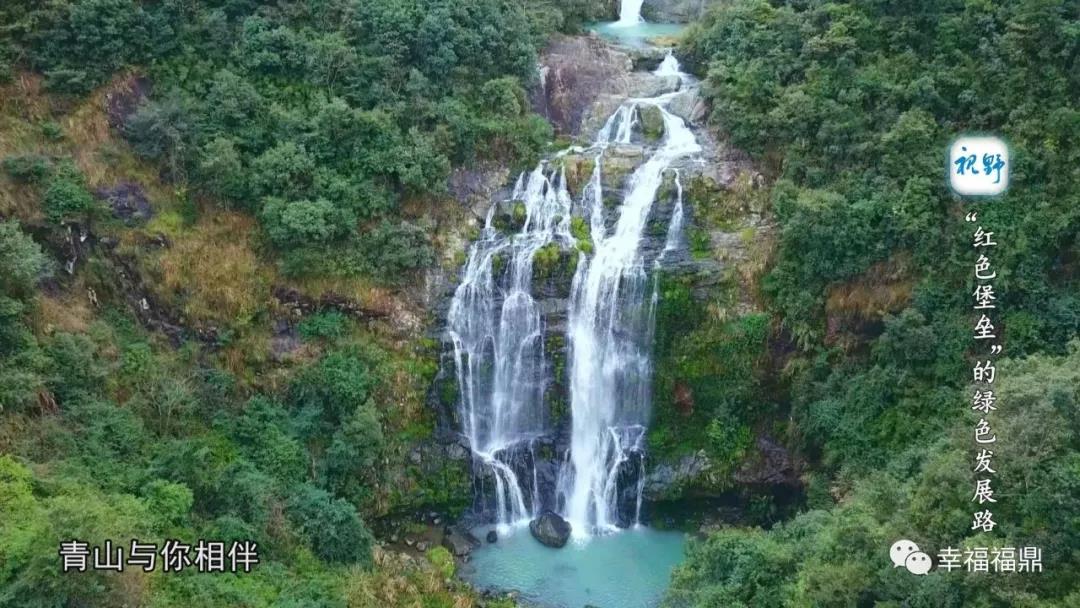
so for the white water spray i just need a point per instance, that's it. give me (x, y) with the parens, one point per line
(668, 67)
(629, 13)
(498, 335)
(610, 335)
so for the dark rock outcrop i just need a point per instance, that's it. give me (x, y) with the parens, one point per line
(771, 465)
(550, 529)
(123, 100)
(477, 185)
(128, 202)
(492, 536)
(459, 541)
(301, 304)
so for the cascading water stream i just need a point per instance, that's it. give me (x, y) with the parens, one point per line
(497, 331)
(610, 333)
(497, 334)
(629, 13)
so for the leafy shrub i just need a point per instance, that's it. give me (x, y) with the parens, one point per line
(66, 197)
(393, 250)
(22, 262)
(323, 325)
(28, 169)
(80, 44)
(305, 222)
(326, 393)
(330, 526)
(159, 131)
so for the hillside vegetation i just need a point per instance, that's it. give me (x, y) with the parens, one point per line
(180, 181)
(850, 108)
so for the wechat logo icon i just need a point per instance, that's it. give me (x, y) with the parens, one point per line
(907, 554)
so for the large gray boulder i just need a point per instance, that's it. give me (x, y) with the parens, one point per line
(576, 71)
(550, 529)
(459, 541)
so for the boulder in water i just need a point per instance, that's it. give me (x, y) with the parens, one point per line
(652, 122)
(550, 529)
(492, 536)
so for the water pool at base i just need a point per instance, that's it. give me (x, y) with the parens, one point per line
(636, 35)
(628, 569)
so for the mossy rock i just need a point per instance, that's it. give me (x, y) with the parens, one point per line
(578, 169)
(510, 217)
(553, 262)
(656, 228)
(652, 122)
(722, 208)
(558, 409)
(545, 261)
(519, 213)
(556, 396)
(668, 192)
(579, 229)
(612, 198)
(700, 243)
(448, 390)
(614, 169)
(498, 264)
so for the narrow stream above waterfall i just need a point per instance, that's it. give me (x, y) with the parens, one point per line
(555, 376)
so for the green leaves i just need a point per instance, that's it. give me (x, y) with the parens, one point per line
(66, 197)
(330, 526)
(305, 222)
(850, 107)
(22, 262)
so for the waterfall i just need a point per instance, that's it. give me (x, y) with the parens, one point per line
(497, 335)
(629, 13)
(668, 67)
(674, 234)
(497, 331)
(610, 338)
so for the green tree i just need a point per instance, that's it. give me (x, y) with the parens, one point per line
(330, 526)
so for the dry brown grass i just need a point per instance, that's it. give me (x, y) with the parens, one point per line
(398, 581)
(883, 289)
(375, 298)
(70, 312)
(21, 107)
(213, 269)
(101, 156)
(87, 140)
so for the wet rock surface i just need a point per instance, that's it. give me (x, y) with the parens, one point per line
(574, 72)
(459, 541)
(477, 186)
(550, 529)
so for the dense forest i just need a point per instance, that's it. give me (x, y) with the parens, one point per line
(850, 106)
(166, 165)
(262, 143)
